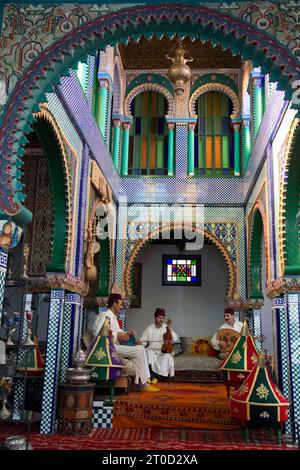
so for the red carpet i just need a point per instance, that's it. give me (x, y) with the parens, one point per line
(153, 439)
(177, 405)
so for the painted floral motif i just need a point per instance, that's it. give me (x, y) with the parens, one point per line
(236, 357)
(262, 392)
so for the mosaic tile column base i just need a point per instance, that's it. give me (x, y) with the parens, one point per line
(102, 415)
(52, 361)
(293, 323)
(282, 356)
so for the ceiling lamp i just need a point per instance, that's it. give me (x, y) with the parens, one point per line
(179, 73)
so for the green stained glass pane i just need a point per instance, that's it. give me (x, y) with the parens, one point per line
(159, 152)
(225, 152)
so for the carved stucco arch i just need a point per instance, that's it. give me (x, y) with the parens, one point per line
(284, 178)
(119, 89)
(232, 274)
(110, 214)
(258, 208)
(45, 114)
(149, 87)
(215, 87)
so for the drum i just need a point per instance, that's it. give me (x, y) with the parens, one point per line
(229, 336)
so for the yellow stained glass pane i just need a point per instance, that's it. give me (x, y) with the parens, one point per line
(208, 151)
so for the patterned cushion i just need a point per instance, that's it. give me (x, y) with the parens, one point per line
(185, 362)
(203, 347)
(197, 346)
(128, 370)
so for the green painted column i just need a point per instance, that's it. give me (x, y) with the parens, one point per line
(125, 149)
(171, 149)
(246, 141)
(237, 149)
(116, 142)
(104, 92)
(257, 104)
(191, 150)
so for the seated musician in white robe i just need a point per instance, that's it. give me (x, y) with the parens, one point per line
(152, 338)
(135, 353)
(230, 323)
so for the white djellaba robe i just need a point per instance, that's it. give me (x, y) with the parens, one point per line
(152, 338)
(136, 353)
(237, 326)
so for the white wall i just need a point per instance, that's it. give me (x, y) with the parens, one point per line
(194, 311)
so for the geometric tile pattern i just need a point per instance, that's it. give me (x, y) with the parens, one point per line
(79, 113)
(65, 341)
(3, 266)
(102, 415)
(293, 316)
(52, 361)
(181, 151)
(83, 191)
(257, 327)
(282, 350)
(19, 390)
(177, 190)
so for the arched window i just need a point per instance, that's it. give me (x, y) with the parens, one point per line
(148, 141)
(214, 135)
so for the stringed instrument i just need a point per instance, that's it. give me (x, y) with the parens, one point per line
(167, 339)
(229, 336)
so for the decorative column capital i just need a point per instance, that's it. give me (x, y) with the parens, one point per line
(256, 78)
(191, 126)
(58, 281)
(246, 118)
(238, 303)
(236, 122)
(117, 122)
(281, 286)
(171, 126)
(126, 125)
(104, 83)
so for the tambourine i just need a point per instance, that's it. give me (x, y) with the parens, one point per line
(229, 336)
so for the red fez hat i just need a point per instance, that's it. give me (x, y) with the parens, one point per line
(229, 310)
(114, 298)
(160, 311)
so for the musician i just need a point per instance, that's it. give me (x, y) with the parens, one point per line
(230, 323)
(162, 364)
(134, 353)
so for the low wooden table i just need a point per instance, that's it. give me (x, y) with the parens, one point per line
(75, 408)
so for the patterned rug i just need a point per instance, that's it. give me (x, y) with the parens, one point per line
(154, 439)
(177, 405)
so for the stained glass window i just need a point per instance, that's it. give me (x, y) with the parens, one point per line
(181, 270)
(214, 144)
(148, 140)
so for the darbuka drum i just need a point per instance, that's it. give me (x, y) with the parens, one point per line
(229, 336)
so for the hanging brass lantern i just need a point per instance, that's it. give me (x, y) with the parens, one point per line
(179, 72)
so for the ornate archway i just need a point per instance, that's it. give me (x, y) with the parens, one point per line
(289, 205)
(258, 230)
(149, 87)
(128, 272)
(183, 20)
(215, 87)
(53, 145)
